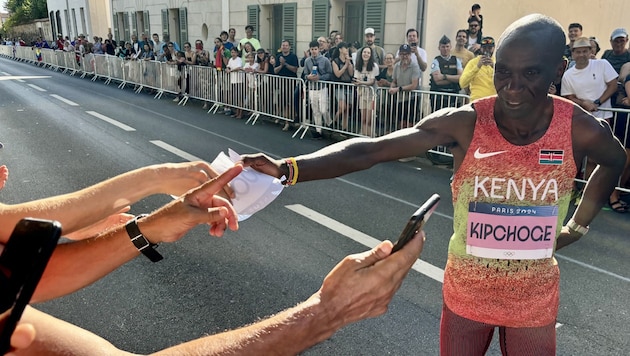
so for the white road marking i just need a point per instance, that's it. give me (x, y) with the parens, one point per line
(111, 121)
(425, 268)
(69, 102)
(176, 151)
(597, 269)
(20, 77)
(36, 87)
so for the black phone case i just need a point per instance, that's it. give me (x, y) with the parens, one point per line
(416, 222)
(22, 264)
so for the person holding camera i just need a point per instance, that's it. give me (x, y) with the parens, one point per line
(479, 72)
(418, 55)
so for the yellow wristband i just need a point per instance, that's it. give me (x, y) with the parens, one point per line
(295, 171)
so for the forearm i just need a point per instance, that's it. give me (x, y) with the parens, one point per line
(338, 159)
(287, 333)
(75, 265)
(84, 207)
(596, 193)
(611, 88)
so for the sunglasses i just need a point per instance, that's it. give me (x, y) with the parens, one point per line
(487, 42)
(473, 25)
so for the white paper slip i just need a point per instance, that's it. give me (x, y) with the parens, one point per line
(253, 190)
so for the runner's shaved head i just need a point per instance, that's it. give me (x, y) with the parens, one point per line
(539, 32)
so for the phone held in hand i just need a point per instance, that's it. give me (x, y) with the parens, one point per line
(22, 264)
(417, 221)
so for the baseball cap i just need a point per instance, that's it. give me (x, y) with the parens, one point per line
(619, 32)
(369, 31)
(487, 41)
(582, 42)
(404, 48)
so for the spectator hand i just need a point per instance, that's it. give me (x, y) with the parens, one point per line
(263, 164)
(362, 285)
(178, 178)
(198, 206)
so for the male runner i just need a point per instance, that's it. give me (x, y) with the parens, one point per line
(515, 156)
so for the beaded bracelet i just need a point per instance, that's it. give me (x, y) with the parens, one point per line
(293, 171)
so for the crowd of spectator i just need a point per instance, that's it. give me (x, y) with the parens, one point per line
(338, 74)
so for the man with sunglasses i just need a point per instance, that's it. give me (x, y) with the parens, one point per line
(474, 36)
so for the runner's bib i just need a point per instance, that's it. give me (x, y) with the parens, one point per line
(511, 232)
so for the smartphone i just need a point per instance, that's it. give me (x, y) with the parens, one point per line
(22, 264)
(417, 220)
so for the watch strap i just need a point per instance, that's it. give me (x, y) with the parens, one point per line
(142, 244)
(573, 226)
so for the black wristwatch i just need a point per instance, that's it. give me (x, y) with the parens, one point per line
(400, 89)
(597, 102)
(142, 244)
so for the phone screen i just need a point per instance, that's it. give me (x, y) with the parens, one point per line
(417, 220)
(22, 264)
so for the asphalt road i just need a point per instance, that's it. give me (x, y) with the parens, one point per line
(55, 143)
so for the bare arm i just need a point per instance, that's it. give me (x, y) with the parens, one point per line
(445, 127)
(77, 264)
(359, 287)
(87, 206)
(593, 138)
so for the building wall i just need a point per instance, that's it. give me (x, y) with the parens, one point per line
(97, 17)
(599, 17)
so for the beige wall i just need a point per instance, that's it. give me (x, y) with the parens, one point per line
(598, 17)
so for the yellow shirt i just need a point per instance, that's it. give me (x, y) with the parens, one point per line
(464, 55)
(479, 80)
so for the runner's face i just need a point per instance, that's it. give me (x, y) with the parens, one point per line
(522, 75)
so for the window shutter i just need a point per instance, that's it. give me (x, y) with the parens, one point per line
(289, 25)
(252, 18)
(147, 27)
(164, 22)
(375, 18)
(321, 13)
(183, 26)
(125, 16)
(115, 28)
(134, 23)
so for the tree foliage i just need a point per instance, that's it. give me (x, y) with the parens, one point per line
(23, 11)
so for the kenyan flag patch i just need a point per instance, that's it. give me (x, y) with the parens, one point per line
(551, 157)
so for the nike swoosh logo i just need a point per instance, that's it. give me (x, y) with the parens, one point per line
(479, 155)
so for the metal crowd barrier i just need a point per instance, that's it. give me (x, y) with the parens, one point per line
(341, 108)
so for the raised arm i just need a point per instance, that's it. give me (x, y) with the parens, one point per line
(359, 287)
(441, 128)
(75, 265)
(87, 206)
